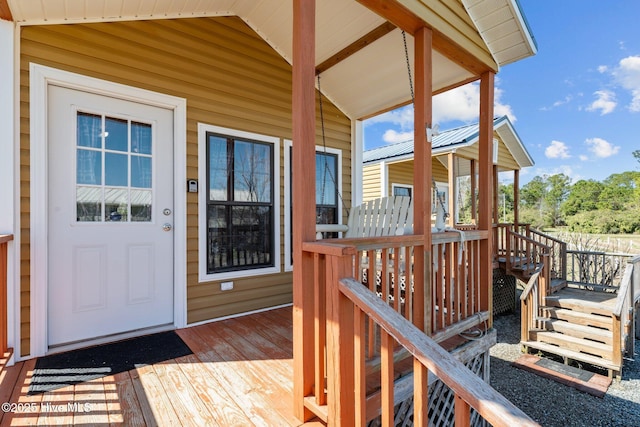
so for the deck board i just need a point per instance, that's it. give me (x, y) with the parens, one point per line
(241, 374)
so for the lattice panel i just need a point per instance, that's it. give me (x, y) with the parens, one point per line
(441, 402)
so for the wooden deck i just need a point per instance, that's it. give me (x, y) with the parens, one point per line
(240, 374)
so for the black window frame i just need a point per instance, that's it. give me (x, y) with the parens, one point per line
(230, 203)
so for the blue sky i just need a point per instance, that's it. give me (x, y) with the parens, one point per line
(575, 104)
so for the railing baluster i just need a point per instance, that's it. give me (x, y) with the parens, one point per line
(386, 378)
(320, 325)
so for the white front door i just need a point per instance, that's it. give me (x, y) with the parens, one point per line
(110, 217)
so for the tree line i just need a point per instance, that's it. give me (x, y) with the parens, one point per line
(588, 206)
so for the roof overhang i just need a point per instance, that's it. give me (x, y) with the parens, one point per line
(360, 53)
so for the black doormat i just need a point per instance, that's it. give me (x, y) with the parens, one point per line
(73, 367)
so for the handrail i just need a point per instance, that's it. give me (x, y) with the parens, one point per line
(4, 241)
(435, 288)
(533, 280)
(469, 389)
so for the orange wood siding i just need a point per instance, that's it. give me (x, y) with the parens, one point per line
(229, 76)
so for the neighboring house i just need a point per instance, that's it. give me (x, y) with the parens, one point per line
(388, 170)
(144, 147)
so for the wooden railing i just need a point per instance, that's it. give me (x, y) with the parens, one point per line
(4, 252)
(557, 253)
(599, 270)
(394, 270)
(531, 300)
(623, 336)
(470, 390)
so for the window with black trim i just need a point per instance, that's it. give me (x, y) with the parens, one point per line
(240, 204)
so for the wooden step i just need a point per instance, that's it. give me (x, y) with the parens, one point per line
(573, 355)
(589, 302)
(577, 317)
(572, 343)
(603, 336)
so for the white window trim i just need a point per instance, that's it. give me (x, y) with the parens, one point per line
(203, 276)
(394, 186)
(40, 77)
(287, 195)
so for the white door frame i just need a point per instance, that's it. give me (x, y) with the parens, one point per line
(39, 78)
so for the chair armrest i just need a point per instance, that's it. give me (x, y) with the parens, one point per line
(329, 228)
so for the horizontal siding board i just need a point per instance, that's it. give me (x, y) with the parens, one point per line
(229, 76)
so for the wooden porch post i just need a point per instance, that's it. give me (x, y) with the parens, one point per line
(304, 207)
(422, 175)
(451, 166)
(485, 188)
(516, 198)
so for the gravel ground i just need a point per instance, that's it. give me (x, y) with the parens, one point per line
(553, 404)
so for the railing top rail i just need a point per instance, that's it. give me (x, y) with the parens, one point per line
(338, 246)
(623, 290)
(530, 284)
(530, 240)
(546, 236)
(6, 238)
(490, 404)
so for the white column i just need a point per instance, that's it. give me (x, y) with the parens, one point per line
(357, 138)
(9, 186)
(7, 128)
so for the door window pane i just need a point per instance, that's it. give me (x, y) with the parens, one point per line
(114, 180)
(116, 169)
(89, 129)
(88, 167)
(140, 205)
(140, 138)
(88, 204)
(141, 172)
(116, 134)
(116, 201)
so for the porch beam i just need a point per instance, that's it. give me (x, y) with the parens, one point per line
(405, 19)
(423, 173)
(5, 11)
(303, 126)
(485, 188)
(356, 46)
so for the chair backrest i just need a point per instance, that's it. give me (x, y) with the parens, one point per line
(386, 216)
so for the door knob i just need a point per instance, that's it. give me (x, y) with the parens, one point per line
(166, 226)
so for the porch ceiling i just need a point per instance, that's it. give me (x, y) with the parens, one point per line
(361, 73)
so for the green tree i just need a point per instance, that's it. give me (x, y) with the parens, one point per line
(583, 196)
(532, 193)
(558, 189)
(619, 190)
(636, 154)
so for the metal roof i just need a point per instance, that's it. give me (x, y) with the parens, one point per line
(452, 139)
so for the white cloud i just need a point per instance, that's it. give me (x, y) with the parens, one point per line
(459, 104)
(462, 103)
(564, 169)
(627, 74)
(557, 150)
(583, 157)
(391, 136)
(402, 117)
(603, 69)
(605, 103)
(601, 148)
